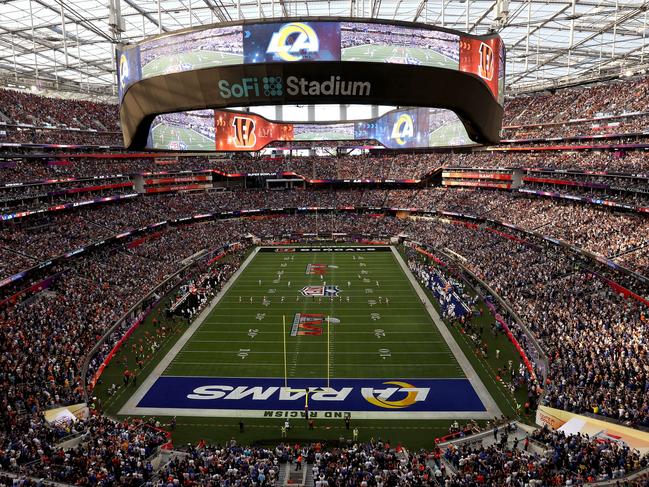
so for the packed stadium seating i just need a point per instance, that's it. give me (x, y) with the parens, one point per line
(595, 338)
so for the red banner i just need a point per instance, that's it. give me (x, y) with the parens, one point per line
(477, 175)
(183, 179)
(482, 58)
(477, 184)
(247, 131)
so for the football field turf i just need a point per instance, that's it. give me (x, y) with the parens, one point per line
(188, 61)
(398, 55)
(169, 136)
(344, 328)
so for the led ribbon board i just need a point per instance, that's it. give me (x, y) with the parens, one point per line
(228, 130)
(312, 61)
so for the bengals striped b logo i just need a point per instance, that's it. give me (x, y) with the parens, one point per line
(486, 67)
(244, 132)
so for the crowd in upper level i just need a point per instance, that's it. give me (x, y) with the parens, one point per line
(526, 116)
(32, 109)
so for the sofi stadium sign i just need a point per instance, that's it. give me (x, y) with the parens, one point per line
(269, 397)
(272, 86)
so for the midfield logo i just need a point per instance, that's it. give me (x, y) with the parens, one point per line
(318, 269)
(323, 291)
(310, 324)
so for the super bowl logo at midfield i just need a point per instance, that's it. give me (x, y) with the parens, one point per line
(318, 269)
(320, 291)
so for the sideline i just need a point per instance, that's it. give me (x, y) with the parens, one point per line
(481, 390)
(130, 406)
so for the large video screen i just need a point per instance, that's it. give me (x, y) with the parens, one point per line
(313, 41)
(223, 130)
(291, 42)
(386, 43)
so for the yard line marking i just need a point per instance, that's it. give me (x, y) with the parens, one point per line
(319, 364)
(321, 352)
(353, 342)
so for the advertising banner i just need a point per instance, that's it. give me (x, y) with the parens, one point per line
(558, 419)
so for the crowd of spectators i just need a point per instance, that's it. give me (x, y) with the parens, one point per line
(561, 461)
(621, 237)
(598, 127)
(596, 339)
(633, 162)
(16, 134)
(32, 109)
(600, 347)
(394, 167)
(611, 98)
(18, 198)
(228, 465)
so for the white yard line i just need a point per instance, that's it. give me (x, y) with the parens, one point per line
(492, 408)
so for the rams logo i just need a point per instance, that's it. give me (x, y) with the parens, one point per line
(486, 67)
(292, 41)
(403, 129)
(383, 397)
(244, 132)
(123, 71)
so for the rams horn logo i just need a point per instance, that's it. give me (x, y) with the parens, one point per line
(304, 39)
(244, 132)
(403, 128)
(486, 67)
(123, 71)
(381, 397)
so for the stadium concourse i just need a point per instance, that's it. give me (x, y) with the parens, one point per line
(564, 257)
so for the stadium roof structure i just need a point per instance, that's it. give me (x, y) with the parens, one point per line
(69, 44)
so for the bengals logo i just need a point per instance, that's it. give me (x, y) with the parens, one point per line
(486, 67)
(244, 132)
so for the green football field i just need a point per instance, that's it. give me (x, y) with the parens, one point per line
(398, 55)
(446, 134)
(381, 328)
(189, 61)
(166, 136)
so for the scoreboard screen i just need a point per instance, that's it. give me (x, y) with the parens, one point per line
(225, 130)
(313, 41)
